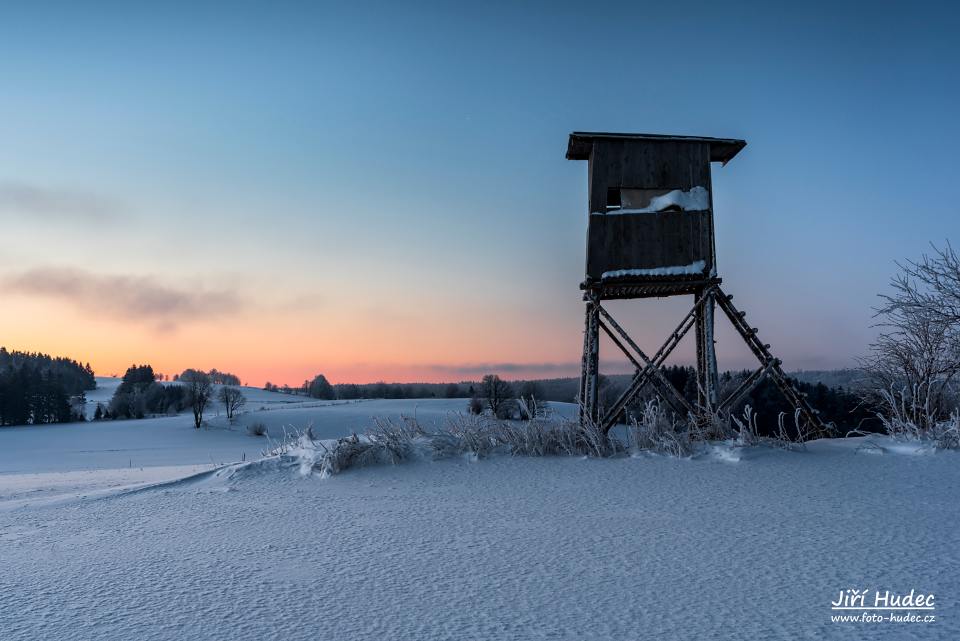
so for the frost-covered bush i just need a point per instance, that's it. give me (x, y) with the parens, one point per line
(391, 442)
(747, 432)
(652, 430)
(944, 435)
(257, 429)
(479, 436)
(947, 433)
(475, 405)
(530, 408)
(899, 422)
(560, 438)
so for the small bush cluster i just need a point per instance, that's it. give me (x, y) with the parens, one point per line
(900, 420)
(140, 395)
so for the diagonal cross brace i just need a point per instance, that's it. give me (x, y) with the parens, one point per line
(665, 387)
(642, 377)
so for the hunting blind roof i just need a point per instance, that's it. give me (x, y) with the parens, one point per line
(721, 149)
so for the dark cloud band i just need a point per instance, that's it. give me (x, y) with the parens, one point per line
(137, 298)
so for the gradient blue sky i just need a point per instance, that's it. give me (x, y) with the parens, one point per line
(379, 190)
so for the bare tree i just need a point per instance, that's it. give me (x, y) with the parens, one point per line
(931, 283)
(200, 390)
(915, 360)
(232, 399)
(497, 394)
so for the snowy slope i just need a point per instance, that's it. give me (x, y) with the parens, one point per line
(174, 441)
(503, 548)
(106, 386)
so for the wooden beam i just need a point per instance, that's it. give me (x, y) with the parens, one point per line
(589, 367)
(763, 355)
(746, 386)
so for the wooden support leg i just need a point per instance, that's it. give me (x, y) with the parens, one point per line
(706, 354)
(590, 366)
(584, 366)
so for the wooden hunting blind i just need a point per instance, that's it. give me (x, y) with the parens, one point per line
(650, 234)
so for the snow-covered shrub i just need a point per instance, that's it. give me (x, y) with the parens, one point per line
(947, 433)
(257, 429)
(479, 436)
(530, 408)
(475, 405)
(392, 442)
(898, 422)
(747, 432)
(388, 442)
(474, 434)
(652, 430)
(561, 438)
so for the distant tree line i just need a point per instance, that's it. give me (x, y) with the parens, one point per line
(37, 388)
(401, 390)
(320, 387)
(216, 377)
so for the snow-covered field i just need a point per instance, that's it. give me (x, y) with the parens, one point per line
(133, 530)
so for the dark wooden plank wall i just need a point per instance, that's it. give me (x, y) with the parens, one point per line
(646, 165)
(647, 241)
